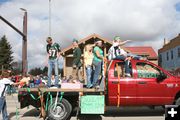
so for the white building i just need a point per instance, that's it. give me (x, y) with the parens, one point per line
(169, 55)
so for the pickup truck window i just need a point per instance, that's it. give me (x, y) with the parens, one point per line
(121, 67)
(146, 70)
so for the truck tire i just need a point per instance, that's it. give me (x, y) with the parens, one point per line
(61, 112)
(177, 101)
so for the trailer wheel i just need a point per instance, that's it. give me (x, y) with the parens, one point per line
(177, 101)
(62, 110)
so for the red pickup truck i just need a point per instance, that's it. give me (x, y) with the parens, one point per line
(149, 85)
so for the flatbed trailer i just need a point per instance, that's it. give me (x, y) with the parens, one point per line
(40, 98)
(142, 88)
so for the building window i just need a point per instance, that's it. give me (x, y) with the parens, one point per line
(167, 54)
(179, 52)
(171, 54)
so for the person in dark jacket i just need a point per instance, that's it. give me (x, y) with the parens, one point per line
(77, 59)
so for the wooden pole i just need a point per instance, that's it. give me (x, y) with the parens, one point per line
(43, 113)
(84, 69)
(64, 66)
(118, 95)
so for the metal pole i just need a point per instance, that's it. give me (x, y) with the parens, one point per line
(49, 17)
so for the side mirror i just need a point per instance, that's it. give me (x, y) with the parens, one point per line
(161, 77)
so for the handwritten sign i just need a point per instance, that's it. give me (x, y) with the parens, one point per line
(92, 104)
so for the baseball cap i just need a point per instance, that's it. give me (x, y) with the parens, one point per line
(75, 40)
(117, 38)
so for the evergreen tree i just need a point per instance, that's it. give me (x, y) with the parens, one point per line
(6, 57)
(36, 71)
(45, 70)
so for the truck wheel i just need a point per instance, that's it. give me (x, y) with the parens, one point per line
(177, 101)
(61, 112)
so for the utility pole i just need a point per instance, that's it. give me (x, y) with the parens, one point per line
(24, 42)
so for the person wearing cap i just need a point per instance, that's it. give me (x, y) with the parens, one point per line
(97, 62)
(117, 53)
(53, 51)
(77, 59)
(112, 52)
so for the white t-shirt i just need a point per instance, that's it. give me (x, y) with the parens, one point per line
(113, 53)
(3, 86)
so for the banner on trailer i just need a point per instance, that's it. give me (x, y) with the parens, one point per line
(92, 104)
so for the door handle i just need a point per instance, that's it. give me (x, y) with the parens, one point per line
(115, 82)
(142, 82)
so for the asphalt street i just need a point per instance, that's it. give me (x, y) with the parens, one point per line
(112, 113)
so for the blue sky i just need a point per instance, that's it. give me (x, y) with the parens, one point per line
(178, 6)
(145, 23)
(2, 1)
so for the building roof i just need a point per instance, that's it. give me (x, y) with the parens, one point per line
(139, 50)
(90, 38)
(143, 50)
(172, 44)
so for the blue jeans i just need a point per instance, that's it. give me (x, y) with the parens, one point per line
(127, 67)
(97, 71)
(31, 85)
(3, 108)
(53, 64)
(88, 76)
(135, 57)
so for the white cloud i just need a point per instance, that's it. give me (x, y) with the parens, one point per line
(146, 22)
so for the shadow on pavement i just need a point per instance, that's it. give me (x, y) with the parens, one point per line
(33, 112)
(12, 114)
(89, 117)
(110, 112)
(133, 112)
(124, 112)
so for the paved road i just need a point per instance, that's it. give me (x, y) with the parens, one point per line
(113, 113)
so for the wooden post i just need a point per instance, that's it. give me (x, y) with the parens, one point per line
(43, 113)
(64, 66)
(84, 69)
(79, 104)
(105, 49)
(118, 95)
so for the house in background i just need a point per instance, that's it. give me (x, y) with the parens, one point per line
(169, 55)
(146, 52)
(67, 53)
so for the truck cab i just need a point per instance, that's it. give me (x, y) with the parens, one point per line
(149, 85)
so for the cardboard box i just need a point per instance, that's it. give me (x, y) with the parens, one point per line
(71, 85)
